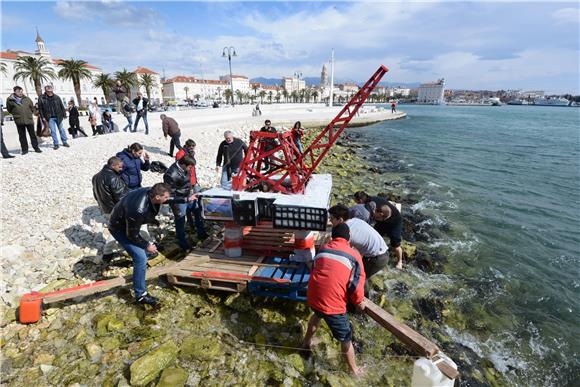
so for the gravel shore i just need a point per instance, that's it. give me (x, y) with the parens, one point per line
(49, 219)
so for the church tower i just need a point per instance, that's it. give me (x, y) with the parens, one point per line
(324, 77)
(40, 47)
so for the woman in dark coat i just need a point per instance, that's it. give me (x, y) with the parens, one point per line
(73, 120)
(133, 165)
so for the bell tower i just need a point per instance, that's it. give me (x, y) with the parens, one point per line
(40, 47)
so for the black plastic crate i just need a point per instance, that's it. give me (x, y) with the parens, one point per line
(300, 218)
(265, 209)
(245, 212)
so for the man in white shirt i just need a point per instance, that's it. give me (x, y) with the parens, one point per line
(365, 239)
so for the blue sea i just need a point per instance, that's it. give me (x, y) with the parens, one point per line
(505, 183)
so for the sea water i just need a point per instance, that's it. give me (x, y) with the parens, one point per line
(505, 183)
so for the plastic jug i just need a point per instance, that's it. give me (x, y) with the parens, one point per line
(426, 374)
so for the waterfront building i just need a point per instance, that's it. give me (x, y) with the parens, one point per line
(63, 88)
(240, 82)
(156, 93)
(348, 87)
(190, 88)
(432, 93)
(293, 84)
(532, 94)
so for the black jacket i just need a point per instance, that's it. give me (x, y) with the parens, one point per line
(178, 180)
(145, 105)
(232, 154)
(134, 210)
(51, 106)
(108, 189)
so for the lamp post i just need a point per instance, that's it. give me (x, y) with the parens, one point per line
(230, 52)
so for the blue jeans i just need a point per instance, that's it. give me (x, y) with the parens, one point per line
(185, 211)
(144, 116)
(139, 262)
(225, 182)
(298, 145)
(129, 124)
(53, 123)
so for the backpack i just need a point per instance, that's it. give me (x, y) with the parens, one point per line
(158, 166)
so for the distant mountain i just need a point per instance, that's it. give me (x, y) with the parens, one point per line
(314, 81)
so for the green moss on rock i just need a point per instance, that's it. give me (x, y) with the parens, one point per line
(145, 369)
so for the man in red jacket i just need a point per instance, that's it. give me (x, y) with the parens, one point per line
(336, 279)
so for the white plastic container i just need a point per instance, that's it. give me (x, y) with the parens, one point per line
(426, 374)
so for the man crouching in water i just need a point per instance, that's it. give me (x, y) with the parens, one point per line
(136, 208)
(337, 277)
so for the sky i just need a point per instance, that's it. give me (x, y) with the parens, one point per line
(488, 45)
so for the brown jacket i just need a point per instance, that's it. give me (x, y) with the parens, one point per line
(170, 127)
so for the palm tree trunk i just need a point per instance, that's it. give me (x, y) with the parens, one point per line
(106, 94)
(37, 87)
(77, 87)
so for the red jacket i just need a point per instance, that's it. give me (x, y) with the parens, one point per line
(178, 156)
(337, 278)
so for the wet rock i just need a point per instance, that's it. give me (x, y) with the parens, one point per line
(430, 308)
(44, 358)
(201, 348)
(145, 369)
(94, 352)
(239, 302)
(401, 289)
(296, 361)
(409, 250)
(173, 377)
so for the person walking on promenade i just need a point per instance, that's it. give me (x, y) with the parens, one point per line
(52, 112)
(94, 112)
(268, 143)
(108, 189)
(120, 94)
(133, 165)
(22, 109)
(388, 221)
(3, 149)
(73, 120)
(232, 152)
(369, 243)
(297, 133)
(393, 107)
(127, 109)
(337, 278)
(178, 178)
(171, 128)
(137, 208)
(141, 104)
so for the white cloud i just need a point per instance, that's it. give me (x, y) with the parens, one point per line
(567, 15)
(111, 12)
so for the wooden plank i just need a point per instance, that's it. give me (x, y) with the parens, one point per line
(416, 342)
(254, 268)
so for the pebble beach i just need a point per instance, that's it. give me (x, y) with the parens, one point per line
(49, 218)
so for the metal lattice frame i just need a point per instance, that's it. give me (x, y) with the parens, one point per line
(289, 169)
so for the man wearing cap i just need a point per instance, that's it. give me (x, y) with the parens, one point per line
(337, 278)
(52, 112)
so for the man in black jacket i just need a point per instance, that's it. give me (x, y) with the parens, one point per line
(268, 143)
(232, 151)
(52, 112)
(141, 104)
(178, 178)
(108, 189)
(138, 207)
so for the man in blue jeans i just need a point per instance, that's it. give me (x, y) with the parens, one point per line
(52, 112)
(232, 151)
(178, 178)
(136, 208)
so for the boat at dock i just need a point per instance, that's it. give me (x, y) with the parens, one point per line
(553, 101)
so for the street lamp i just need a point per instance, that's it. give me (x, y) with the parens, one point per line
(231, 52)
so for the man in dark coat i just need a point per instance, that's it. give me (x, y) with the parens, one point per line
(178, 177)
(141, 104)
(171, 128)
(269, 143)
(120, 94)
(108, 189)
(52, 112)
(135, 209)
(22, 108)
(232, 151)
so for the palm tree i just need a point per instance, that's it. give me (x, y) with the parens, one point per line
(270, 93)
(75, 70)
(285, 94)
(197, 97)
(255, 87)
(315, 95)
(147, 82)
(3, 68)
(127, 79)
(105, 82)
(277, 98)
(186, 89)
(240, 95)
(229, 95)
(35, 70)
(262, 95)
(294, 96)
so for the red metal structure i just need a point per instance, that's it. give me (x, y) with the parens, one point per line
(288, 170)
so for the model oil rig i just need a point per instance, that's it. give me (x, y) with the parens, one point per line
(274, 218)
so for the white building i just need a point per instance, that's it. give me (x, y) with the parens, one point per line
(432, 93)
(293, 84)
(240, 82)
(182, 88)
(396, 91)
(63, 88)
